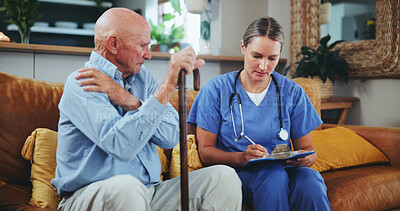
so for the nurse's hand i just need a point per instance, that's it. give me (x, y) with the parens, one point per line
(253, 152)
(305, 161)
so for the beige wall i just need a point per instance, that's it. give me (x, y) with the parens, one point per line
(379, 103)
(280, 10)
(229, 21)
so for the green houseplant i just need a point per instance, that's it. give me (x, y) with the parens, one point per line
(167, 37)
(164, 36)
(205, 35)
(158, 34)
(175, 36)
(22, 14)
(323, 62)
(205, 28)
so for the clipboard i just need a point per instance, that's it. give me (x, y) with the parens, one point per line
(280, 156)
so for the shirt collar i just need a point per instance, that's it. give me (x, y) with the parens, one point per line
(130, 79)
(108, 68)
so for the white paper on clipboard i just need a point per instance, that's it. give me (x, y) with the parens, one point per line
(281, 156)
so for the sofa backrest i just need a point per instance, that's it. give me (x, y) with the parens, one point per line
(190, 96)
(25, 104)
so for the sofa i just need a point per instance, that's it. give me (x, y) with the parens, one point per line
(28, 104)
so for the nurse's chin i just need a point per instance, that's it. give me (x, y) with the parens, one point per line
(261, 76)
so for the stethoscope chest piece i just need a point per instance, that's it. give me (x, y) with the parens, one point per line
(283, 134)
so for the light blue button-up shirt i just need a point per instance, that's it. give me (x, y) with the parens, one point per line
(98, 139)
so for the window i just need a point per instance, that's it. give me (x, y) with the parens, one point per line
(190, 23)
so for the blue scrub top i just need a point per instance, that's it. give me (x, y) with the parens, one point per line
(210, 111)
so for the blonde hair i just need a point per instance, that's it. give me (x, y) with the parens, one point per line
(264, 26)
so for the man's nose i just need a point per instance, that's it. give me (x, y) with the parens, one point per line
(147, 54)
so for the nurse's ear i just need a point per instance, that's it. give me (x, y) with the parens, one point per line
(242, 47)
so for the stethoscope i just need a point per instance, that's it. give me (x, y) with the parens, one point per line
(282, 134)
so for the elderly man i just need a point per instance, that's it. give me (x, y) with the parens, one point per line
(112, 116)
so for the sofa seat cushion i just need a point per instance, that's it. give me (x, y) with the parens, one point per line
(364, 188)
(14, 196)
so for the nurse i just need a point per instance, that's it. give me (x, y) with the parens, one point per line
(263, 104)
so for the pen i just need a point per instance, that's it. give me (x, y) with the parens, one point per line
(248, 139)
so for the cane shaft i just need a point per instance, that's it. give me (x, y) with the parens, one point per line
(183, 141)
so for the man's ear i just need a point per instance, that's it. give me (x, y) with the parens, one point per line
(112, 44)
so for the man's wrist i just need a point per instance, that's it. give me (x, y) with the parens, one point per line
(133, 103)
(164, 93)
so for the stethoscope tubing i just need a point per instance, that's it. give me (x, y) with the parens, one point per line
(235, 93)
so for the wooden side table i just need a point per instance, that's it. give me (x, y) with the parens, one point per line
(344, 103)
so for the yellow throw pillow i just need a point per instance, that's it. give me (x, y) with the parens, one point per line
(340, 147)
(40, 148)
(194, 162)
(163, 161)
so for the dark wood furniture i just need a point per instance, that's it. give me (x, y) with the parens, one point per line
(343, 103)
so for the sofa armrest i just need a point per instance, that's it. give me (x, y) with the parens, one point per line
(387, 139)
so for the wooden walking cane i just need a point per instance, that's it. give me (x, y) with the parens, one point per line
(183, 136)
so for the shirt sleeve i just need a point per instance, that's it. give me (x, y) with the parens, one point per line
(205, 111)
(123, 137)
(166, 134)
(304, 117)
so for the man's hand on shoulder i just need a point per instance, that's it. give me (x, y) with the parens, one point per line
(92, 80)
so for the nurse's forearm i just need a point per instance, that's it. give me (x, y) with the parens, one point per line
(303, 143)
(211, 155)
(214, 156)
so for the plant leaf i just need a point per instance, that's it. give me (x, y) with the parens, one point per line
(322, 62)
(21, 13)
(168, 16)
(205, 30)
(176, 5)
(324, 41)
(335, 43)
